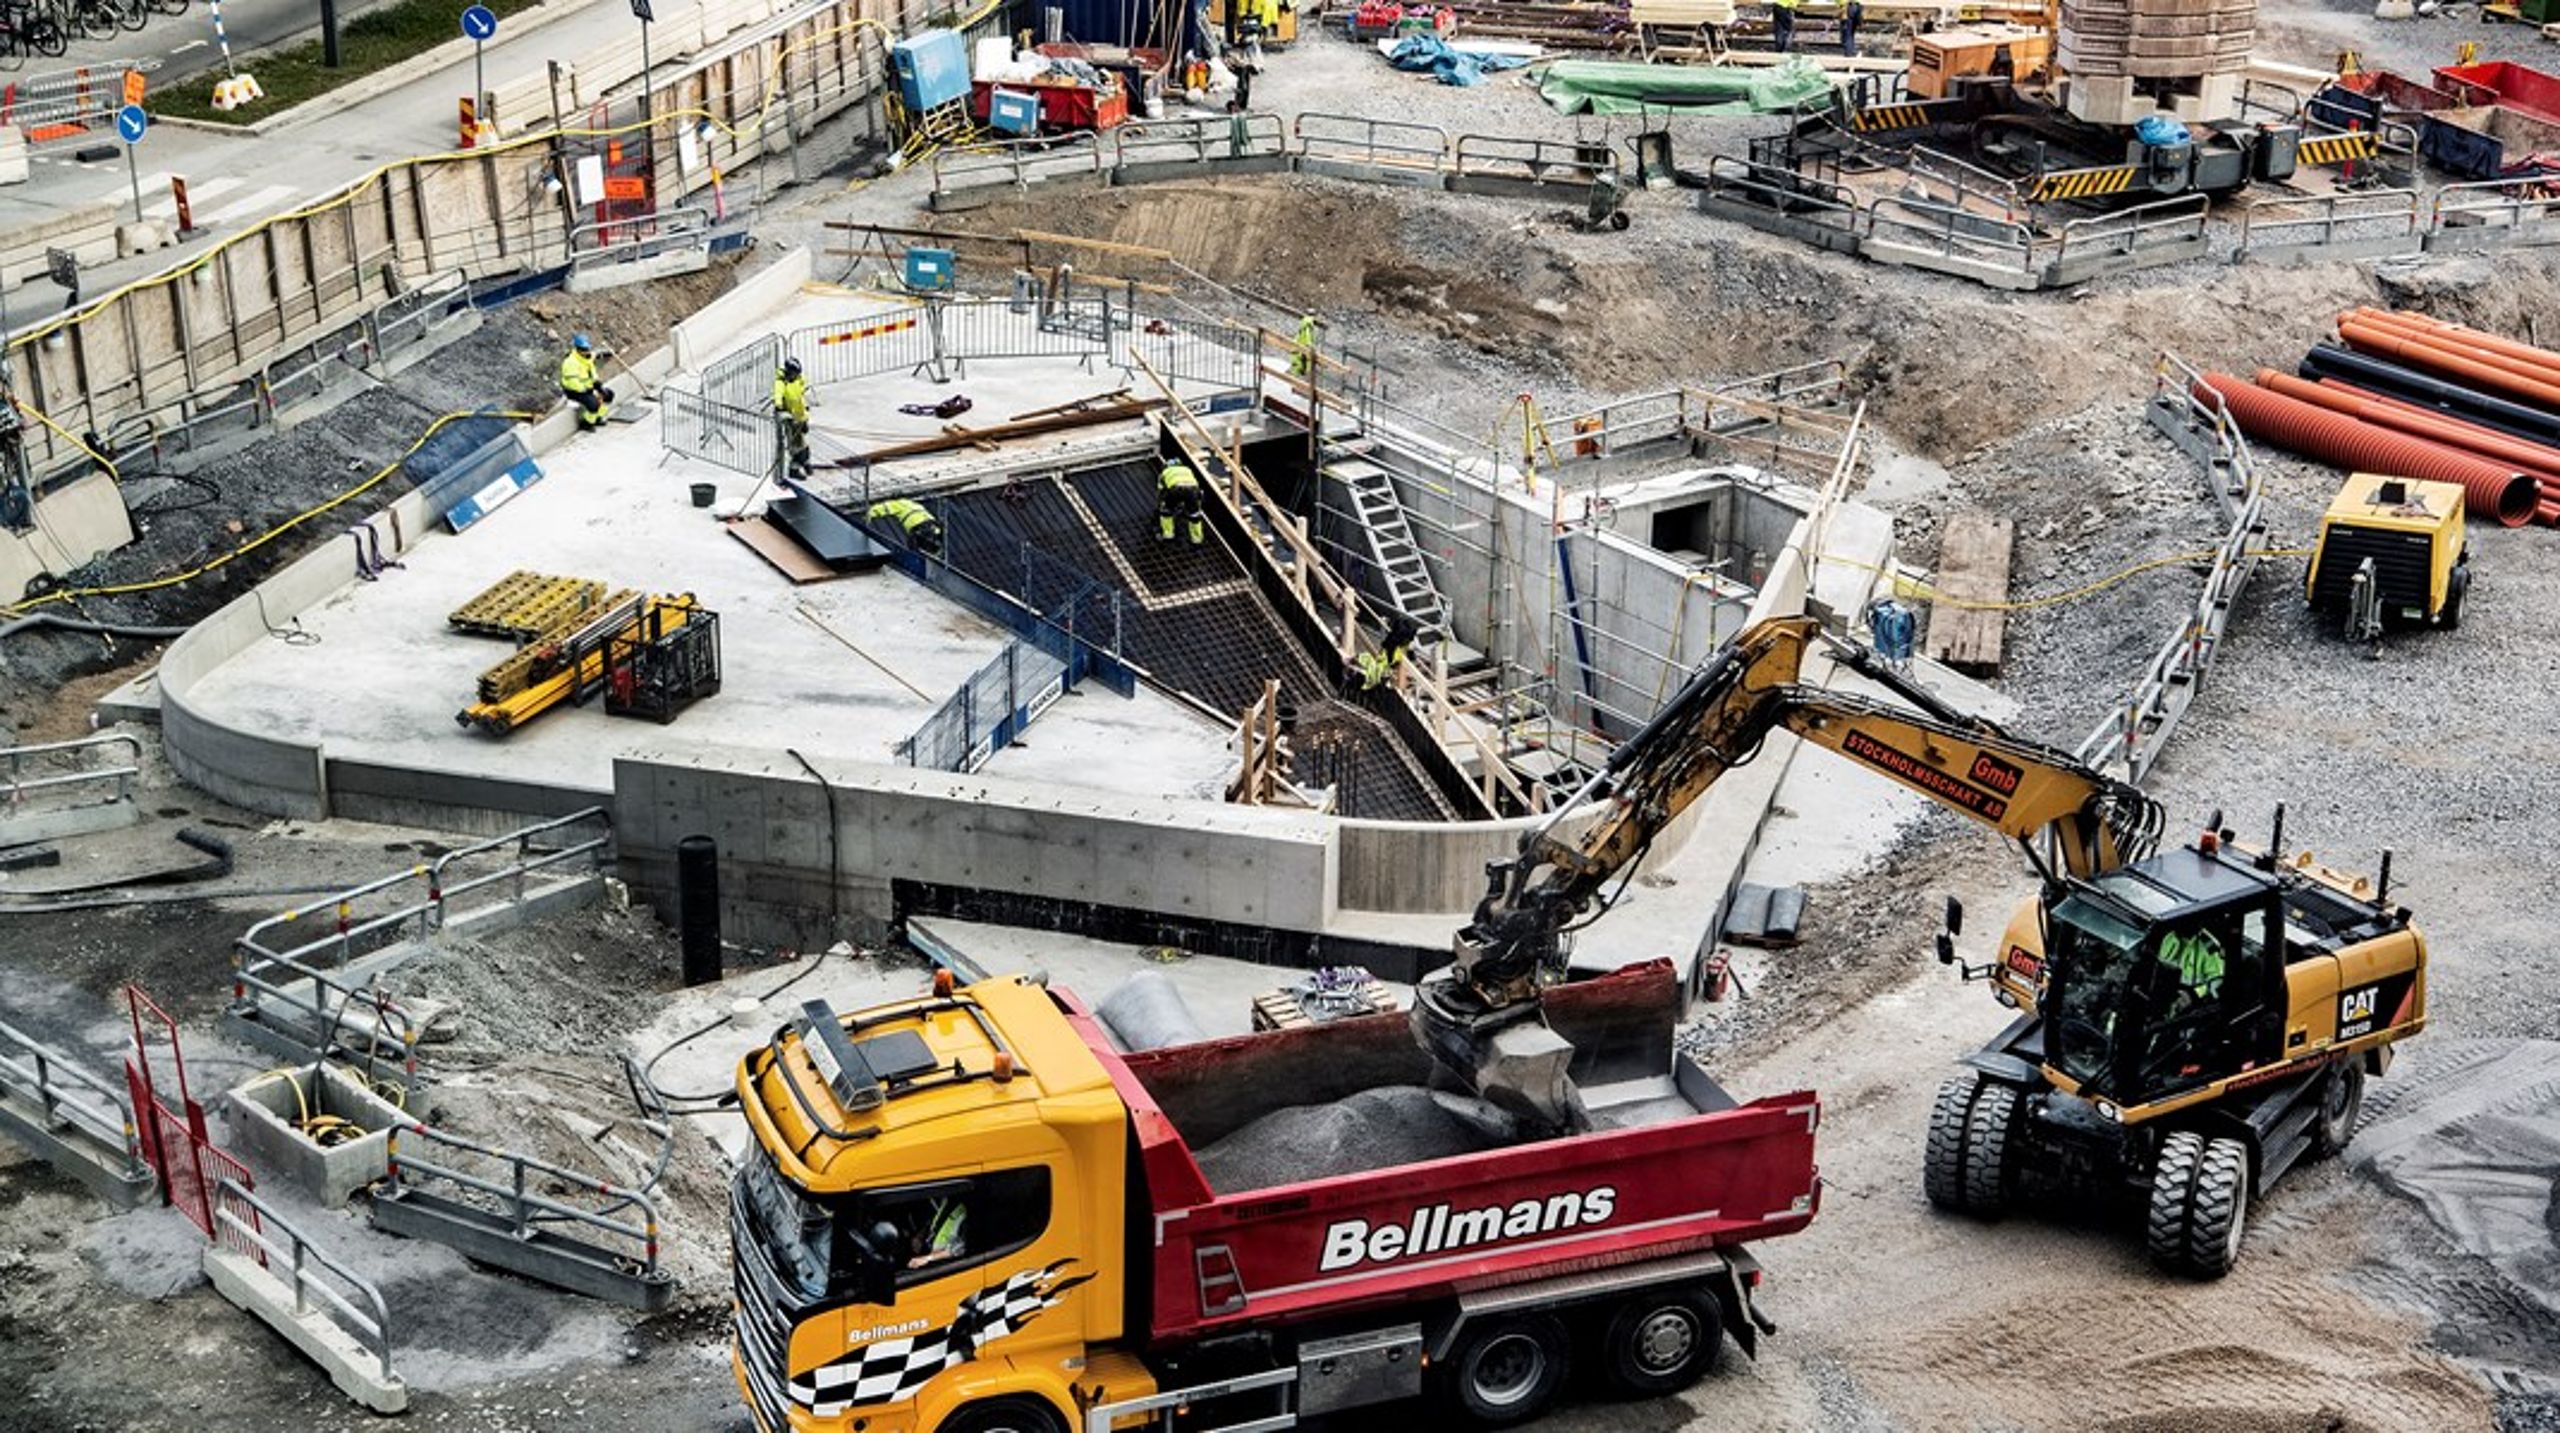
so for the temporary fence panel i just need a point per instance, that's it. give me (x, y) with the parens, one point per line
(1223, 356)
(1236, 141)
(895, 340)
(2160, 232)
(1490, 163)
(744, 378)
(1951, 240)
(989, 711)
(65, 1102)
(974, 173)
(1773, 197)
(2493, 214)
(1390, 151)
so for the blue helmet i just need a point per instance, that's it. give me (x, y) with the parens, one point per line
(583, 344)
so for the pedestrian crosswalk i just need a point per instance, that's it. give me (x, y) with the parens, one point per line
(223, 199)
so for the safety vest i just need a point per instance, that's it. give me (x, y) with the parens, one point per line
(791, 395)
(2197, 959)
(1177, 475)
(577, 372)
(948, 1222)
(907, 515)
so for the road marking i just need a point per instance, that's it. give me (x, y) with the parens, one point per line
(167, 207)
(190, 45)
(257, 204)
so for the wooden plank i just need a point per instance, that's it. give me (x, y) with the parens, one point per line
(1973, 565)
(777, 547)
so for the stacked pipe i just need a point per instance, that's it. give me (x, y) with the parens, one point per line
(2475, 393)
(2493, 490)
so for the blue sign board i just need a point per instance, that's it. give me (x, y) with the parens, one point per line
(479, 22)
(131, 122)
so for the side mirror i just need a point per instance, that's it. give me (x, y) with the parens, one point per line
(878, 1282)
(1955, 916)
(1946, 949)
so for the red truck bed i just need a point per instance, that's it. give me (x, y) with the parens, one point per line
(2504, 82)
(1688, 1170)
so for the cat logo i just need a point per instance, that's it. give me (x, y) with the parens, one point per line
(2355, 1011)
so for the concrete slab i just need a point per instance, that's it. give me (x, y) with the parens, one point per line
(386, 677)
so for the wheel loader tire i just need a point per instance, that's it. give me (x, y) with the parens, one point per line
(1990, 1151)
(1006, 1415)
(2220, 1214)
(2173, 1189)
(2341, 1103)
(1942, 1166)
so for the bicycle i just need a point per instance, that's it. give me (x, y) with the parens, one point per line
(96, 18)
(170, 7)
(29, 29)
(133, 14)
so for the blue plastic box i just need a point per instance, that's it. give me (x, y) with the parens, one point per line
(933, 69)
(929, 269)
(1013, 112)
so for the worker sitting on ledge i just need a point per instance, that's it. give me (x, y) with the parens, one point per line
(578, 383)
(1178, 496)
(916, 523)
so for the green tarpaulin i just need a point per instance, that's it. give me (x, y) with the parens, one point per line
(1612, 87)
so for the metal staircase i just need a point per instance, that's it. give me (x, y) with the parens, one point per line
(1392, 550)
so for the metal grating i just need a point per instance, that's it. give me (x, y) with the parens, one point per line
(1217, 646)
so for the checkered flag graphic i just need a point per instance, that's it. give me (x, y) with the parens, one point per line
(892, 1369)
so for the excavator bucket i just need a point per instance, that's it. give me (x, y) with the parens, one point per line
(1510, 1058)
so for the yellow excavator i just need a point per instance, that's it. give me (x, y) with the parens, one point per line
(2193, 1022)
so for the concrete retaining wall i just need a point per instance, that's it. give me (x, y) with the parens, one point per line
(692, 343)
(1244, 865)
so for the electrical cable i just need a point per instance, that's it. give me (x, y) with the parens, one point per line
(718, 1098)
(1913, 587)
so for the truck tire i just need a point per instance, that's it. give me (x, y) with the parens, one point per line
(1506, 1370)
(1005, 1415)
(1660, 1341)
(2341, 1102)
(2220, 1215)
(1990, 1150)
(2173, 1189)
(1942, 1166)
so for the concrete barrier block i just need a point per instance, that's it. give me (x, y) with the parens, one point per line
(268, 1106)
(351, 1366)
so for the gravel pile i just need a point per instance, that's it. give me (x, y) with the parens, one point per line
(1397, 1124)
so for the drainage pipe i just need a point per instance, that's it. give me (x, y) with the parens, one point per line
(2542, 361)
(2328, 362)
(2500, 493)
(2540, 463)
(37, 621)
(2515, 384)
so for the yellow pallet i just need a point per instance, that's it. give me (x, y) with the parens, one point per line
(524, 605)
(1280, 1010)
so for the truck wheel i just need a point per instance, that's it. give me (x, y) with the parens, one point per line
(1005, 1415)
(2173, 1188)
(1990, 1148)
(1661, 1341)
(2221, 1210)
(2341, 1101)
(1942, 1167)
(1507, 1370)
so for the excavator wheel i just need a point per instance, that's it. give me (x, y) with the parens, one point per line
(2341, 1101)
(2199, 1205)
(1991, 1137)
(1942, 1169)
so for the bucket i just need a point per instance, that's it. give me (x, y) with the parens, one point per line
(703, 493)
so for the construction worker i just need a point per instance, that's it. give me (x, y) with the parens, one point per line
(1303, 362)
(916, 523)
(1394, 650)
(1782, 23)
(2197, 957)
(791, 406)
(1850, 15)
(579, 385)
(1178, 496)
(944, 1235)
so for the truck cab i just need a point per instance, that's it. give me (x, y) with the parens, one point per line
(918, 1223)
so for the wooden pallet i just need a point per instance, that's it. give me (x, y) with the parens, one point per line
(1280, 1010)
(1973, 564)
(522, 606)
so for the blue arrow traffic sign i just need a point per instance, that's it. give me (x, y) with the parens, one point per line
(131, 122)
(479, 22)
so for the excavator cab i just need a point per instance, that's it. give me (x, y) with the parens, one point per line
(2161, 977)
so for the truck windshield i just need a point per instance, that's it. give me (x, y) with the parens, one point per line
(793, 1228)
(2093, 957)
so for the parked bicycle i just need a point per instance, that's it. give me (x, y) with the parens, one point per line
(27, 29)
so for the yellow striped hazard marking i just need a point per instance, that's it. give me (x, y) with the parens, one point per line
(2082, 183)
(1889, 116)
(873, 330)
(2337, 148)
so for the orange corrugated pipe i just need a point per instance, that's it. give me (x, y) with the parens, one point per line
(2435, 357)
(2497, 493)
(2469, 344)
(2536, 462)
(2546, 468)
(2472, 337)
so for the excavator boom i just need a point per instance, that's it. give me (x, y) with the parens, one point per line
(1480, 1020)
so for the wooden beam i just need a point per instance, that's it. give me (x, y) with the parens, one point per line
(960, 437)
(1100, 246)
(1973, 566)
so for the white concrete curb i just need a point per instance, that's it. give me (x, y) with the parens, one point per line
(351, 1366)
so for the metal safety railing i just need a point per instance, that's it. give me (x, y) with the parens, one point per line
(67, 1097)
(1955, 235)
(1018, 163)
(1945, 179)
(2383, 216)
(883, 341)
(2495, 211)
(249, 1226)
(743, 440)
(2176, 222)
(1531, 161)
(989, 711)
(622, 241)
(1783, 191)
(2132, 736)
(16, 785)
(1200, 141)
(305, 978)
(512, 1192)
(1352, 140)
